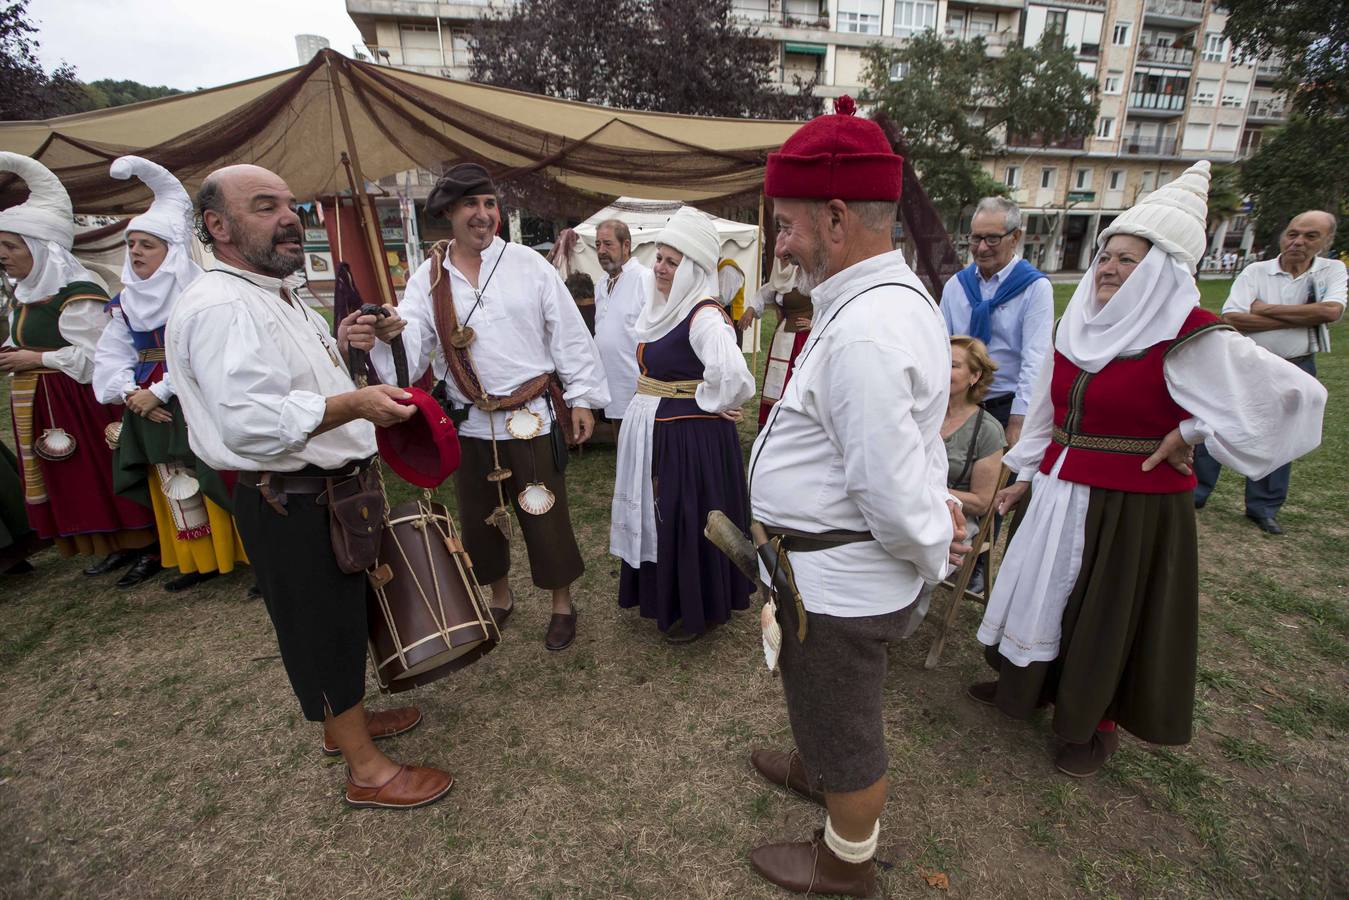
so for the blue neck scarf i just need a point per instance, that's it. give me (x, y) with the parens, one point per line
(1022, 276)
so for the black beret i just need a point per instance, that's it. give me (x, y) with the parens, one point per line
(464, 180)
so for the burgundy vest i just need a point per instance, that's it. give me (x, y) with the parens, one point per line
(1116, 418)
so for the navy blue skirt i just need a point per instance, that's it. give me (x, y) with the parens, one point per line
(697, 467)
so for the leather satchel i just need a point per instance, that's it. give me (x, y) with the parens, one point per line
(355, 519)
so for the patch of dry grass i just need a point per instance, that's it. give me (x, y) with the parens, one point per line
(150, 747)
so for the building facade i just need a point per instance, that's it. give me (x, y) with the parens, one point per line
(1170, 89)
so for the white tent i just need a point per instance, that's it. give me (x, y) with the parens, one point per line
(645, 219)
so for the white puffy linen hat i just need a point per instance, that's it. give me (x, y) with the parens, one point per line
(169, 217)
(693, 234)
(1173, 217)
(46, 215)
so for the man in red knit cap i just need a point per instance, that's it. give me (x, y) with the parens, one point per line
(848, 476)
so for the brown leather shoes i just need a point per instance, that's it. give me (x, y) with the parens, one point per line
(411, 787)
(561, 631)
(383, 724)
(810, 867)
(984, 692)
(1085, 760)
(786, 770)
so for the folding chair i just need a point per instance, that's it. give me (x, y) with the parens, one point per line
(983, 544)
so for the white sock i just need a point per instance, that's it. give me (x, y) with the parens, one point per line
(851, 851)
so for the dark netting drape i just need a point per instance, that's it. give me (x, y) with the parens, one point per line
(934, 255)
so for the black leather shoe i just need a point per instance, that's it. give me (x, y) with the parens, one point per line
(146, 567)
(1199, 504)
(112, 562)
(1267, 524)
(189, 580)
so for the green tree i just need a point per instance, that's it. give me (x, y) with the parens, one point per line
(683, 56)
(1300, 166)
(28, 91)
(1310, 38)
(956, 104)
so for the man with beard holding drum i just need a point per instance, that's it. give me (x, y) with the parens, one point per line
(266, 393)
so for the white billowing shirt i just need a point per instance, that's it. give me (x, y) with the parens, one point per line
(253, 374)
(855, 442)
(115, 362)
(616, 311)
(730, 281)
(1267, 282)
(526, 324)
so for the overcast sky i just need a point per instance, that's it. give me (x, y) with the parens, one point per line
(184, 44)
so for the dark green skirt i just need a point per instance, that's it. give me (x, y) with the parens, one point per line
(17, 538)
(144, 443)
(1130, 629)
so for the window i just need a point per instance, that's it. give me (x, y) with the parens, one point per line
(861, 16)
(1205, 91)
(460, 41)
(1215, 47)
(1234, 94)
(1120, 37)
(1163, 178)
(421, 45)
(756, 10)
(1084, 179)
(1105, 128)
(1047, 177)
(1012, 178)
(1148, 182)
(1196, 136)
(1056, 21)
(1116, 179)
(913, 16)
(899, 71)
(1225, 138)
(1113, 83)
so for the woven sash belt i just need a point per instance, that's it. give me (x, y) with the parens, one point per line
(153, 354)
(1106, 443)
(675, 389)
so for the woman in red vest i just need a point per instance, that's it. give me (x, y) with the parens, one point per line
(1095, 609)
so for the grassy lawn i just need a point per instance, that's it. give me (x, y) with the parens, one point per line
(150, 745)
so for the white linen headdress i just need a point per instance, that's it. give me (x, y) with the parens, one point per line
(693, 234)
(783, 277)
(146, 302)
(1172, 217)
(47, 226)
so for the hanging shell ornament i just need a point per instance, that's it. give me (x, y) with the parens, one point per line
(499, 474)
(501, 518)
(523, 423)
(772, 634)
(461, 337)
(181, 485)
(536, 499)
(55, 445)
(112, 435)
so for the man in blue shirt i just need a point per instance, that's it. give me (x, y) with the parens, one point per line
(1008, 304)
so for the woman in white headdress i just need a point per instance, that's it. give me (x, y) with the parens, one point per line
(153, 462)
(1095, 609)
(679, 453)
(58, 423)
(794, 313)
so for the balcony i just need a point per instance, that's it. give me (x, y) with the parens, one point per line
(1156, 104)
(1186, 12)
(1166, 56)
(994, 40)
(1269, 70)
(778, 17)
(1267, 110)
(1051, 143)
(1155, 146)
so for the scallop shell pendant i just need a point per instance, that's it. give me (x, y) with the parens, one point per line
(181, 486)
(460, 338)
(536, 499)
(112, 435)
(54, 445)
(772, 634)
(523, 423)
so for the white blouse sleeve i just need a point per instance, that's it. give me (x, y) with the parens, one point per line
(114, 363)
(727, 382)
(1252, 410)
(81, 323)
(419, 334)
(1038, 428)
(163, 388)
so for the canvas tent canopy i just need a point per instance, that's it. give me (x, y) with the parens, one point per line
(645, 219)
(561, 157)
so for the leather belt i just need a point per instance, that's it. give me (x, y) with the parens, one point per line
(794, 541)
(276, 486)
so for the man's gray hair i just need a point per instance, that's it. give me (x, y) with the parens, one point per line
(875, 215)
(1010, 212)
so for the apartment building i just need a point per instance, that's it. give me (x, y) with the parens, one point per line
(1170, 89)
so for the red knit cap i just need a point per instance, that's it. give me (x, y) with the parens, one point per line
(837, 157)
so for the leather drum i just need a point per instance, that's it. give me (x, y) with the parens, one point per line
(426, 612)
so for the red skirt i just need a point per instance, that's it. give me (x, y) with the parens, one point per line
(73, 498)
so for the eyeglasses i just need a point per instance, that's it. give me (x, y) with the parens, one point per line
(992, 240)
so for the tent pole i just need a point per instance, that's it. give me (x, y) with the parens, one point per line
(365, 214)
(758, 281)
